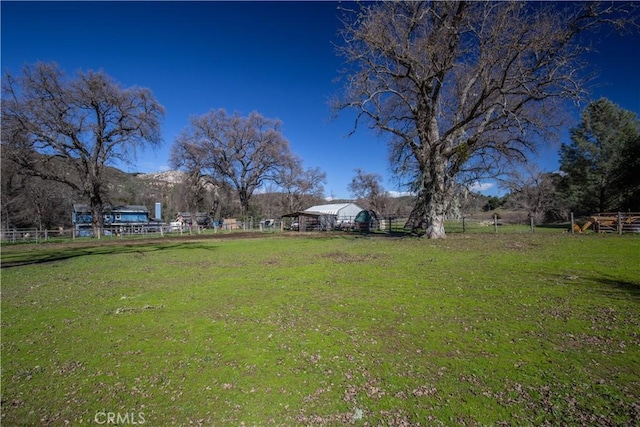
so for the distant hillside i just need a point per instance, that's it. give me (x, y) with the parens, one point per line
(30, 202)
(169, 177)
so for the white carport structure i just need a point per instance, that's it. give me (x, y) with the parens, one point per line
(325, 217)
(337, 213)
(342, 211)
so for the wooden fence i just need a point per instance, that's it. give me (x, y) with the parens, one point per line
(616, 222)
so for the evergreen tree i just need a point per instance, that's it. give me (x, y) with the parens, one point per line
(602, 160)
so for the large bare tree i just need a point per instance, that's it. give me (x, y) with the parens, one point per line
(536, 192)
(195, 184)
(463, 88)
(29, 201)
(243, 152)
(299, 184)
(365, 187)
(86, 122)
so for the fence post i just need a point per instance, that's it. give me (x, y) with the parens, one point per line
(620, 223)
(532, 226)
(464, 227)
(573, 224)
(495, 223)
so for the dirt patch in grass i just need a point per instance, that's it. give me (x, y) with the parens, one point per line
(347, 258)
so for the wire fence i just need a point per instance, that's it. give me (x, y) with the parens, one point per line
(389, 226)
(34, 235)
(615, 223)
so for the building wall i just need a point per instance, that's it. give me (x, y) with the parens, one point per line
(111, 217)
(125, 218)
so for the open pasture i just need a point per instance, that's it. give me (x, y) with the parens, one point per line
(481, 329)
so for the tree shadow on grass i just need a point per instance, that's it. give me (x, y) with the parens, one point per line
(611, 287)
(619, 289)
(43, 256)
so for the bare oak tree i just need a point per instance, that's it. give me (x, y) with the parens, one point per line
(535, 192)
(463, 88)
(29, 201)
(366, 187)
(299, 184)
(195, 184)
(87, 122)
(243, 152)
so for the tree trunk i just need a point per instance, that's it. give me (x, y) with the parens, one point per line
(94, 191)
(435, 224)
(96, 217)
(426, 214)
(434, 195)
(433, 213)
(244, 205)
(194, 226)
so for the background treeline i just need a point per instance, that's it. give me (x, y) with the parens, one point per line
(599, 172)
(31, 202)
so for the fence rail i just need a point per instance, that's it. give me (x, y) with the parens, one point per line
(33, 235)
(604, 222)
(616, 222)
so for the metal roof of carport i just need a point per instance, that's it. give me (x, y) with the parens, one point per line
(306, 213)
(330, 209)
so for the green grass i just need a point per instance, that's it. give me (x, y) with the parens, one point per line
(473, 330)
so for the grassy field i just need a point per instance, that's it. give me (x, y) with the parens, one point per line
(507, 329)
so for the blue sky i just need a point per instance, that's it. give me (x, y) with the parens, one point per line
(276, 58)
